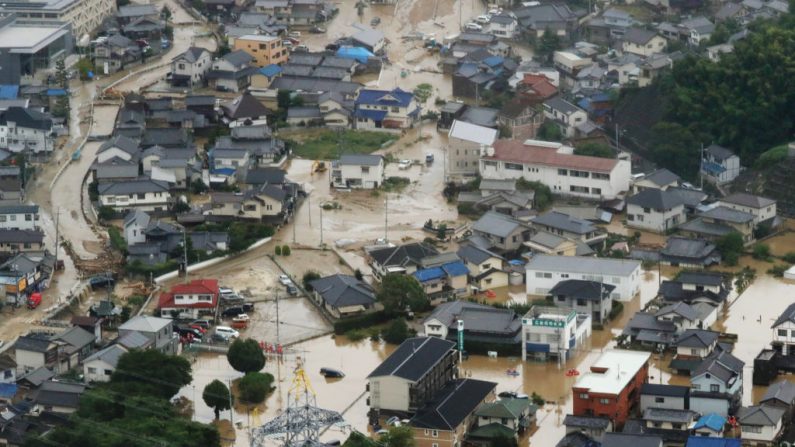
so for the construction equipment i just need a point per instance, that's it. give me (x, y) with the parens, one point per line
(318, 166)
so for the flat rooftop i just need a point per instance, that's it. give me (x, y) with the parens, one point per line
(619, 368)
(27, 38)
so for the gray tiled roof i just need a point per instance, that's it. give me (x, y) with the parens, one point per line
(497, 224)
(669, 415)
(343, 290)
(639, 36)
(662, 177)
(748, 200)
(577, 264)
(783, 391)
(360, 160)
(682, 309)
(656, 199)
(414, 358)
(728, 215)
(145, 323)
(477, 317)
(764, 415)
(475, 255)
(141, 185)
(719, 152)
(109, 355)
(560, 104)
(697, 338)
(562, 221)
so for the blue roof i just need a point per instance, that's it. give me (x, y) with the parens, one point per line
(429, 274)
(600, 97)
(56, 92)
(375, 115)
(493, 61)
(358, 53)
(396, 97)
(713, 168)
(270, 70)
(9, 91)
(703, 441)
(8, 390)
(456, 268)
(516, 262)
(712, 421)
(224, 171)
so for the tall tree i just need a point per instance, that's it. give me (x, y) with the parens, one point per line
(255, 386)
(151, 372)
(246, 356)
(400, 291)
(216, 396)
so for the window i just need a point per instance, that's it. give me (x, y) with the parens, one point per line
(597, 191)
(92, 370)
(583, 395)
(647, 210)
(434, 445)
(615, 280)
(426, 432)
(563, 172)
(108, 372)
(513, 166)
(751, 428)
(13, 218)
(714, 388)
(561, 298)
(781, 332)
(792, 333)
(395, 109)
(676, 426)
(659, 400)
(7, 374)
(600, 176)
(639, 217)
(580, 189)
(693, 351)
(564, 275)
(435, 433)
(141, 195)
(28, 217)
(2, 218)
(581, 302)
(365, 169)
(604, 401)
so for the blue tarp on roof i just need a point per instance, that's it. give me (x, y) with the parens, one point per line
(270, 70)
(703, 441)
(8, 390)
(429, 274)
(396, 97)
(56, 92)
(455, 268)
(516, 262)
(713, 168)
(375, 115)
(360, 54)
(712, 421)
(493, 61)
(9, 91)
(224, 171)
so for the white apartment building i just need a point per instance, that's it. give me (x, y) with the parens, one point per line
(25, 130)
(83, 15)
(565, 114)
(19, 217)
(546, 271)
(553, 332)
(358, 171)
(555, 165)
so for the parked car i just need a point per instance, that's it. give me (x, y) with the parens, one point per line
(301, 49)
(375, 21)
(332, 47)
(287, 43)
(404, 164)
(484, 19)
(203, 323)
(331, 373)
(248, 307)
(285, 280)
(232, 298)
(292, 290)
(226, 291)
(472, 26)
(219, 338)
(317, 30)
(228, 331)
(101, 281)
(294, 34)
(429, 158)
(233, 311)
(507, 395)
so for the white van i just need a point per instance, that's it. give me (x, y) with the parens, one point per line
(227, 331)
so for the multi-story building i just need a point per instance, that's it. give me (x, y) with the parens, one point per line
(484, 323)
(720, 164)
(655, 210)
(467, 142)
(358, 171)
(84, 16)
(26, 48)
(403, 259)
(556, 166)
(554, 332)
(412, 375)
(762, 208)
(643, 42)
(545, 271)
(142, 193)
(784, 331)
(26, 130)
(565, 114)
(190, 300)
(503, 232)
(158, 331)
(390, 109)
(570, 227)
(265, 50)
(589, 297)
(611, 388)
(720, 221)
(188, 68)
(20, 217)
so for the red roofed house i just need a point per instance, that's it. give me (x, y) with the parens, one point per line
(537, 87)
(190, 300)
(555, 165)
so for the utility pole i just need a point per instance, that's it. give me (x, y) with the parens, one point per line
(57, 218)
(321, 224)
(185, 253)
(231, 406)
(295, 222)
(386, 217)
(701, 168)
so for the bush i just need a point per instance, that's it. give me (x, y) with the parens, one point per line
(278, 250)
(777, 270)
(537, 399)
(762, 252)
(397, 332)
(771, 158)
(789, 257)
(254, 386)
(286, 250)
(136, 300)
(358, 275)
(361, 321)
(116, 239)
(618, 307)
(468, 209)
(106, 213)
(356, 334)
(246, 356)
(309, 276)
(395, 183)
(543, 195)
(139, 268)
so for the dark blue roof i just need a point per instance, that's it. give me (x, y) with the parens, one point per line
(493, 61)
(375, 115)
(56, 92)
(224, 171)
(429, 274)
(455, 268)
(702, 441)
(8, 390)
(270, 70)
(713, 168)
(396, 97)
(9, 91)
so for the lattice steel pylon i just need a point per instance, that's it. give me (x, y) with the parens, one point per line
(300, 424)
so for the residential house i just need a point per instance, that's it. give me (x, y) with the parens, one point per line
(592, 428)
(611, 388)
(661, 179)
(717, 384)
(544, 272)
(569, 64)
(57, 397)
(554, 332)
(559, 19)
(190, 300)
(90, 324)
(8, 369)
(76, 340)
(24, 130)
(653, 66)
(402, 259)
(131, 12)
(115, 53)
(781, 395)
(669, 424)
(655, 210)
(697, 29)
(784, 332)
(372, 40)
(98, 367)
(565, 114)
(695, 287)
(521, 117)
(504, 233)
(389, 109)
(189, 67)
(264, 149)
(266, 203)
(503, 25)
(443, 280)
(674, 397)
(536, 88)
(142, 193)
(245, 110)
(555, 165)
(643, 42)
(263, 49)
(761, 425)
(516, 414)
(466, 144)
(569, 227)
(412, 375)
(762, 208)
(588, 297)
(683, 252)
(720, 164)
(613, 24)
(16, 241)
(446, 419)
(231, 72)
(692, 347)
(480, 323)
(720, 221)
(550, 244)
(485, 267)
(357, 171)
(343, 295)
(11, 191)
(202, 105)
(158, 331)
(178, 167)
(710, 425)
(37, 350)
(19, 217)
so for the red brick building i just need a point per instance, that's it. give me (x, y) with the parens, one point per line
(612, 387)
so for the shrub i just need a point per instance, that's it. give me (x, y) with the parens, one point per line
(358, 274)
(309, 276)
(618, 307)
(761, 251)
(397, 332)
(286, 250)
(537, 399)
(106, 213)
(777, 270)
(789, 257)
(278, 250)
(254, 386)
(116, 239)
(356, 334)
(361, 321)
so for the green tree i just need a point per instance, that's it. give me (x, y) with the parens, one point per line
(216, 396)
(397, 332)
(400, 291)
(246, 356)
(165, 13)
(730, 247)
(549, 131)
(84, 66)
(402, 436)
(283, 99)
(761, 251)
(549, 43)
(357, 439)
(254, 386)
(308, 277)
(441, 232)
(151, 372)
(595, 150)
(360, 5)
(675, 147)
(422, 92)
(358, 274)
(503, 441)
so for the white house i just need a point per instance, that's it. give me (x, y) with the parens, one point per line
(784, 330)
(188, 68)
(719, 164)
(545, 271)
(659, 179)
(698, 29)
(388, 109)
(760, 425)
(98, 367)
(643, 42)
(696, 343)
(565, 114)
(135, 222)
(503, 25)
(655, 210)
(19, 217)
(358, 171)
(142, 193)
(717, 384)
(555, 165)
(119, 147)
(763, 209)
(467, 142)
(25, 130)
(554, 332)
(672, 397)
